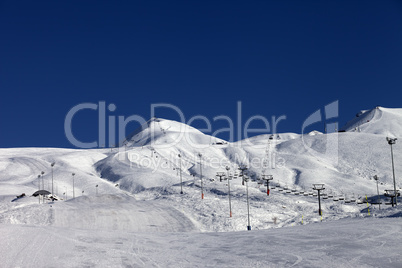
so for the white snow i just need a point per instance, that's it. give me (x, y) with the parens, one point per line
(128, 210)
(380, 120)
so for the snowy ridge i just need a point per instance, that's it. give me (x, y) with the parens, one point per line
(380, 121)
(162, 132)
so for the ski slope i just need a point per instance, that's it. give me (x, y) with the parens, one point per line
(128, 209)
(102, 212)
(349, 243)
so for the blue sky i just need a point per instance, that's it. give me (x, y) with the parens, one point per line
(276, 57)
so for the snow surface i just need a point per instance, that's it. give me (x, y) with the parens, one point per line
(128, 210)
(346, 243)
(384, 121)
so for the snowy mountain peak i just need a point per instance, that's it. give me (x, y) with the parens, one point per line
(380, 120)
(159, 131)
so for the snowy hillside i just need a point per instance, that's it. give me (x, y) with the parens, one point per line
(166, 133)
(382, 121)
(294, 160)
(128, 204)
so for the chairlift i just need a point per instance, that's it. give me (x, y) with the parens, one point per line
(325, 197)
(288, 191)
(359, 202)
(305, 194)
(341, 198)
(280, 189)
(296, 193)
(293, 190)
(347, 201)
(336, 199)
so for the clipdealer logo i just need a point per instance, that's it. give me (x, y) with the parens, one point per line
(107, 126)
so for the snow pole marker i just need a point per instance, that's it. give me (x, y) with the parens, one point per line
(302, 219)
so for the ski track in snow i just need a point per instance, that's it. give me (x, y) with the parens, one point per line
(317, 245)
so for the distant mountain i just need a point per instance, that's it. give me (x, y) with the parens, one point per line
(158, 131)
(382, 121)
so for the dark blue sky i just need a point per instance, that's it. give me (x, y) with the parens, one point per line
(277, 57)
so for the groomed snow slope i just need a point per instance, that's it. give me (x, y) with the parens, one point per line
(346, 243)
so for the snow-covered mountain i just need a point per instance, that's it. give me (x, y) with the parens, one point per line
(294, 160)
(136, 188)
(382, 121)
(167, 133)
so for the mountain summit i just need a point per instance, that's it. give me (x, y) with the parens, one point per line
(381, 121)
(158, 131)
